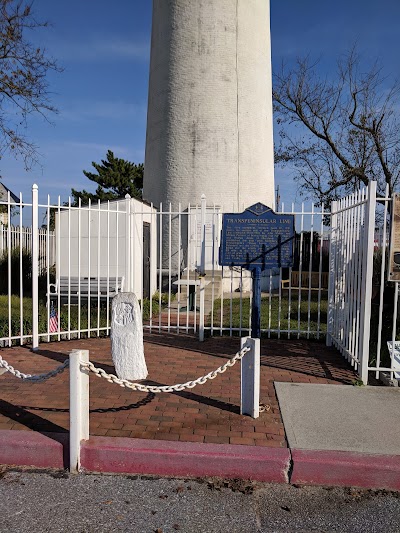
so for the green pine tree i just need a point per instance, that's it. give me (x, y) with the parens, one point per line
(115, 178)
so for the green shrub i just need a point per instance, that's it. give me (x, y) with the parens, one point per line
(146, 308)
(15, 263)
(164, 298)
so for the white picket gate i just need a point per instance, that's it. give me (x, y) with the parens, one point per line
(363, 304)
(351, 260)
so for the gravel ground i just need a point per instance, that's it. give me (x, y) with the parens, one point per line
(55, 502)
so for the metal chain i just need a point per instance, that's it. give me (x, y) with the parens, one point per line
(166, 388)
(35, 378)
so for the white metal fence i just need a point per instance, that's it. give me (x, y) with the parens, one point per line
(169, 259)
(384, 358)
(62, 288)
(218, 300)
(363, 304)
(20, 238)
(352, 245)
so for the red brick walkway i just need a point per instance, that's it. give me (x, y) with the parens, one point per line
(207, 413)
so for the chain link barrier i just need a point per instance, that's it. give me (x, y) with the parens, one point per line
(99, 372)
(38, 378)
(111, 378)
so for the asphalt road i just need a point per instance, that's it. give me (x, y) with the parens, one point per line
(54, 502)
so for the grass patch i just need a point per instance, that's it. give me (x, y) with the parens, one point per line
(274, 316)
(97, 317)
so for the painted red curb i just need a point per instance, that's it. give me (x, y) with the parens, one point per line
(29, 448)
(341, 468)
(186, 459)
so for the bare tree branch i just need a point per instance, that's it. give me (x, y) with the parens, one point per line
(337, 133)
(24, 89)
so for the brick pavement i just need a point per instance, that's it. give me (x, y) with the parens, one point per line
(208, 413)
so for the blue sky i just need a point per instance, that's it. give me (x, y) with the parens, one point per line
(104, 48)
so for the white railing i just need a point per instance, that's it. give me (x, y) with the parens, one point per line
(352, 246)
(363, 304)
(384, 360)
(77, 261)
(21, 238)
(169, 258)
(216, 300)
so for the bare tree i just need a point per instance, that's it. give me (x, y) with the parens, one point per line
(23, 85)
(338, 133)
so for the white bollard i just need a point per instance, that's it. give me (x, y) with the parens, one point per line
(250, 378)
(78, 406)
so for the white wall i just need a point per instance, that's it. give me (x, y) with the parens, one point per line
(106, 241)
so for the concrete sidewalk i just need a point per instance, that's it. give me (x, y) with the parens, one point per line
(350, 419)
(342, 435)
(189, 433)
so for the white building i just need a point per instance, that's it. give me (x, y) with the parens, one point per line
(6, 196)
(109, 240)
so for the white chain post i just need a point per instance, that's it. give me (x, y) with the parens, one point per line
(35, 267)
(250, 378)
(79, 406)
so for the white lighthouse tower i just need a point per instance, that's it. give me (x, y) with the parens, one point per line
(209, 124)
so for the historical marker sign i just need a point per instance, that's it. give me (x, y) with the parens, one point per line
(394, 262)
(258, 238)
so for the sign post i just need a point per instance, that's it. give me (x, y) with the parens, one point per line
(256, 307)
(257, 239)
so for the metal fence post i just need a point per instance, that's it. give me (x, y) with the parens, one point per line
(79, 406)
(331, 282)
(128, 245)
(35, 267)
(250, 378)
(202, 266)
(366, 288)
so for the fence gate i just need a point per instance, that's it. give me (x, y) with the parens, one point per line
(350, 283)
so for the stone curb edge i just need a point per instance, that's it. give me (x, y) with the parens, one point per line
(185, 459)
(30, 448)
(347, 469)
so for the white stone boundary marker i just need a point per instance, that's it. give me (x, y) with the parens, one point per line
(79, 406)
(250, 378)
(127, 337)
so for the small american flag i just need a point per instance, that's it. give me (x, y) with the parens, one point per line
(53, 322)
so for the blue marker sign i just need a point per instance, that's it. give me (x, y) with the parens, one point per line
(257, 238)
